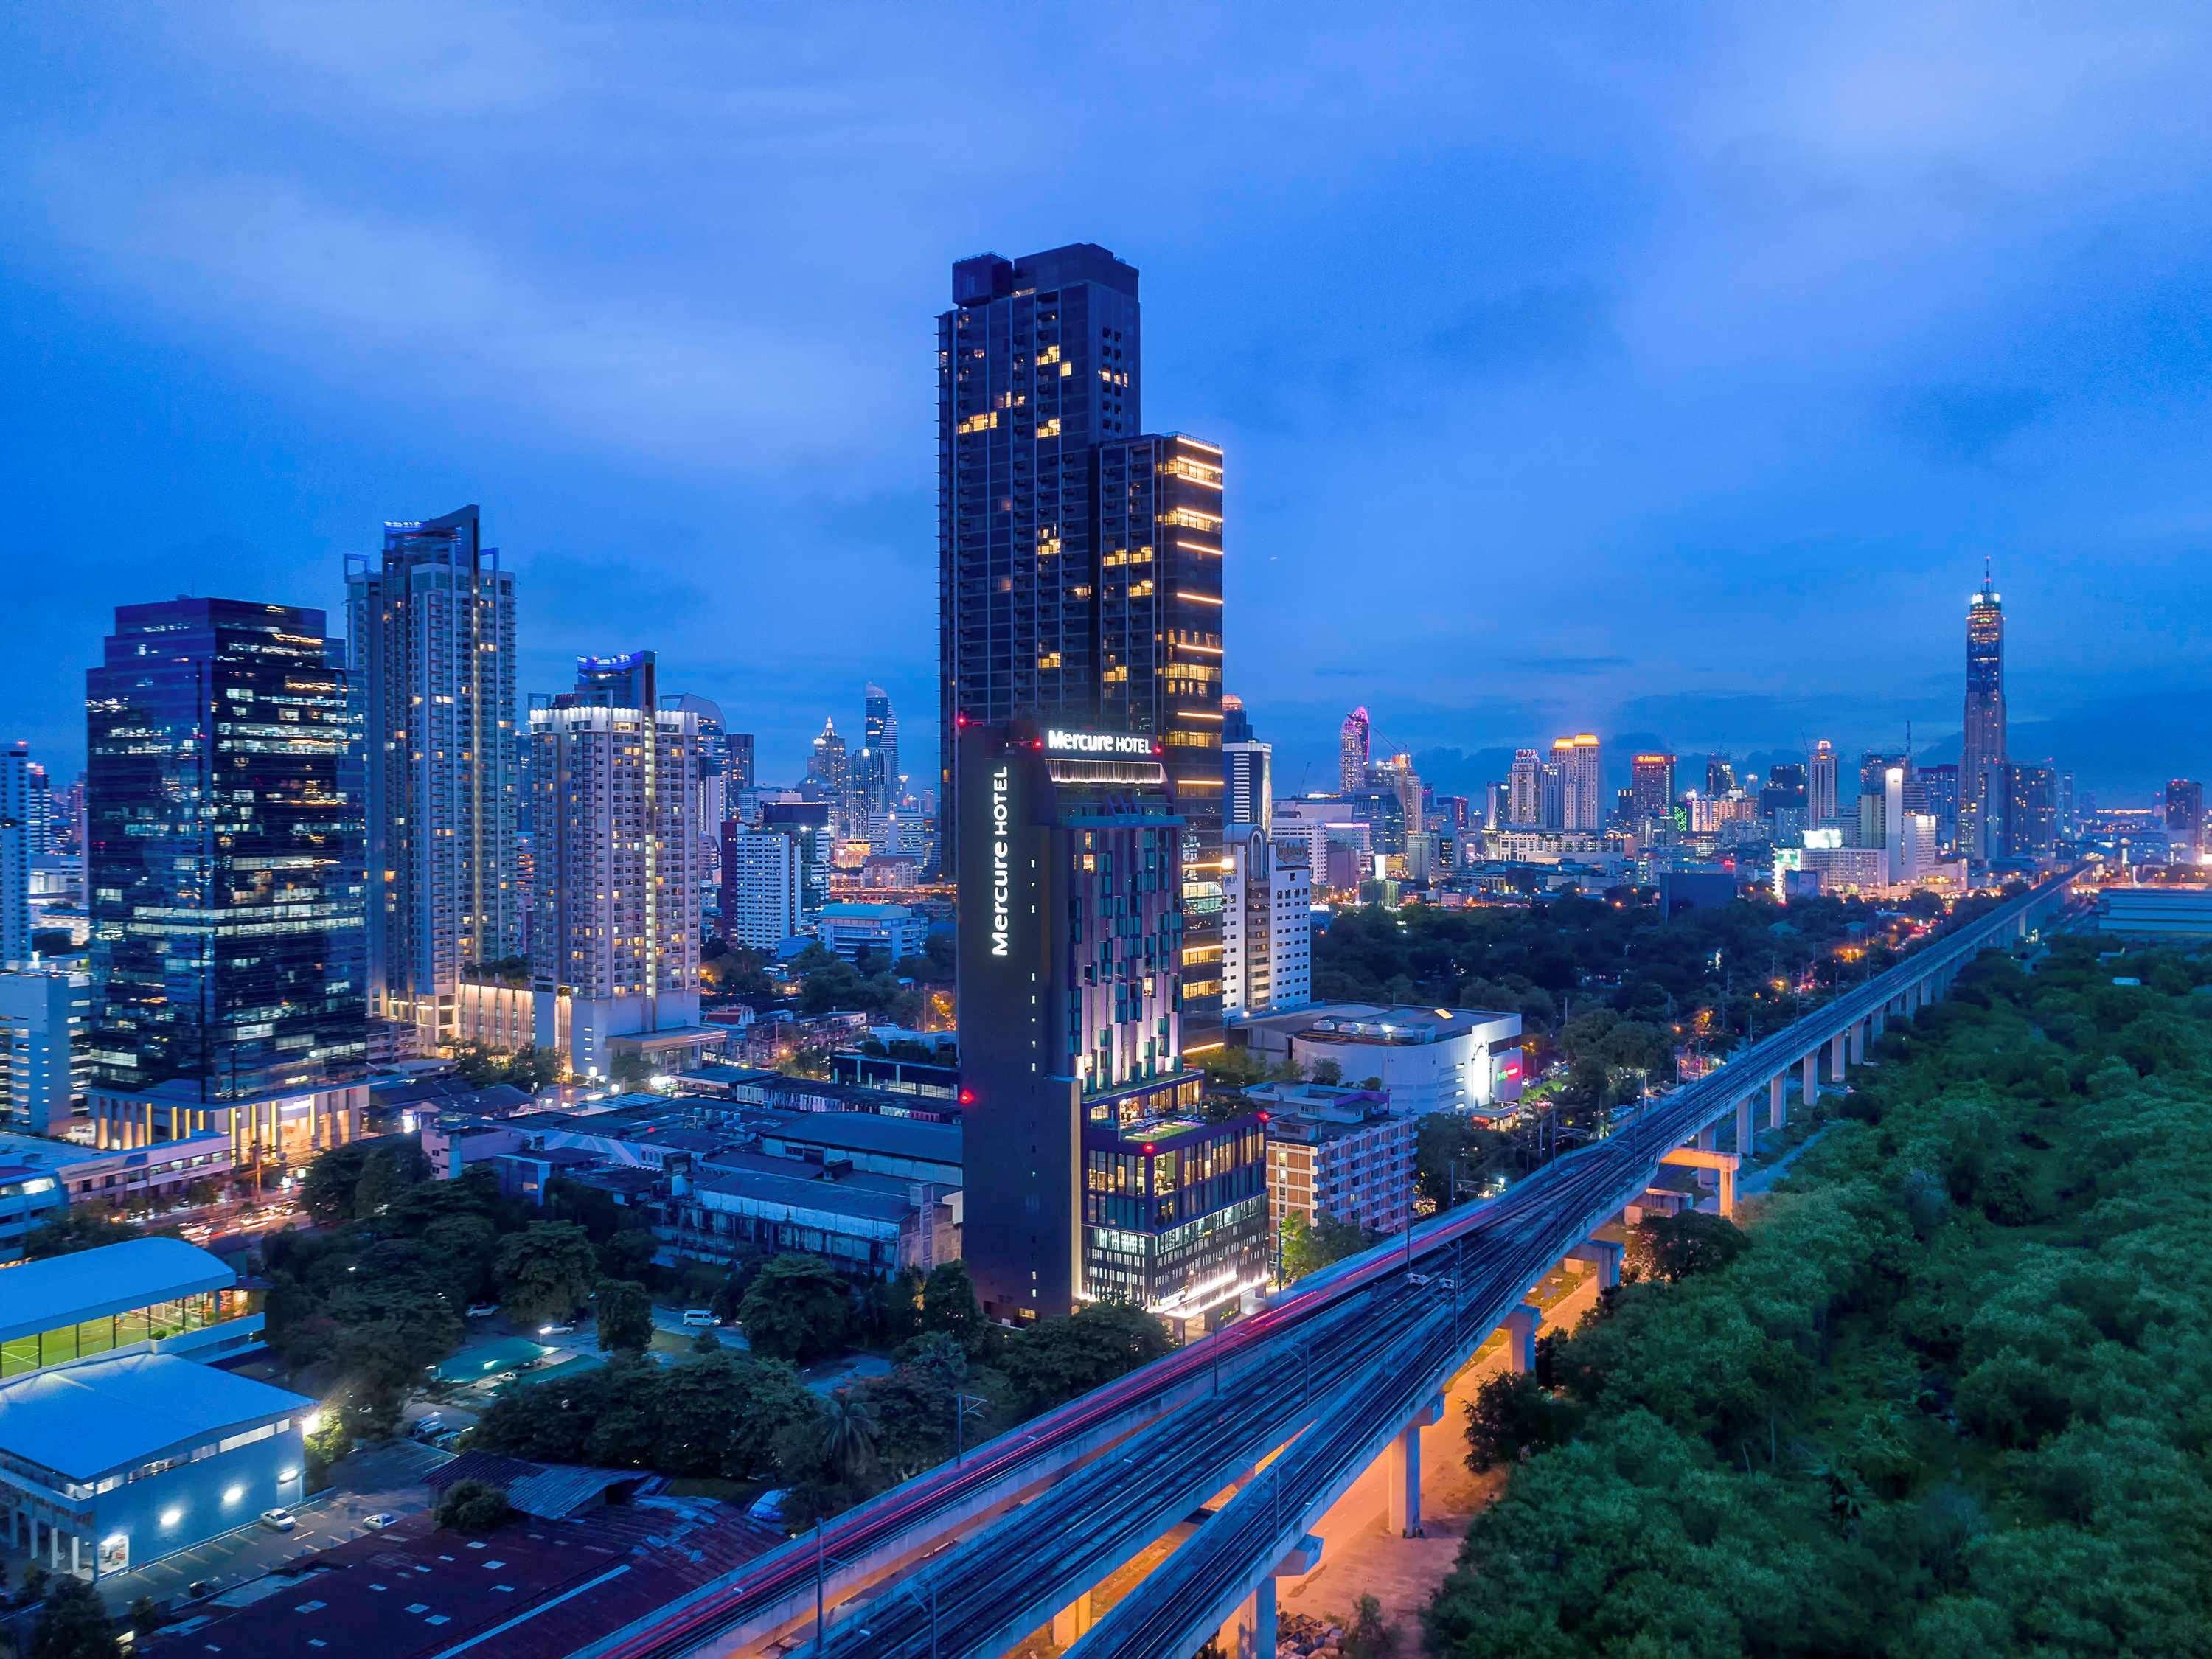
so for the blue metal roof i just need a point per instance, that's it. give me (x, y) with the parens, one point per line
(40, 1296)
(111, 1415)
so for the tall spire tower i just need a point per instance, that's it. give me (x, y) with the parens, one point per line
(1981, 760)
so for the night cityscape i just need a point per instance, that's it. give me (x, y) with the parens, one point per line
(1538, 982)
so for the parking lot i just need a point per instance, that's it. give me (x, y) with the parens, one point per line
(386, 1478)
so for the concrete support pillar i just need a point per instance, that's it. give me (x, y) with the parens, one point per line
(1520, 1327)
(1728, 1192)
(1812, 1089)
(1708, 1139)
(1235, 1638)
(1264, 1636)
(1857, 1047)
(1874, 1026)
(1070, 1623)
(1604, 1255)
(1836, 1058)
(1746, 1139)
(1777, 1102)
(1404, 1478)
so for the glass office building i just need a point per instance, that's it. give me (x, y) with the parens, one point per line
(223, 864)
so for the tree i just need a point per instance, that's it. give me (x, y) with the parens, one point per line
(628, 1254)
(1511, 1414)
(1448, 1142)
(797, 1309)
(1673, 1248)
(1055, 1359)
(545, 1272)
(1310, 1248)
(472, 1506)
(949, 1305)
(70, 1230)
(848, 1434)
(625, 1314)
(386, 1173)
(73, 1624)
(1369, 1637)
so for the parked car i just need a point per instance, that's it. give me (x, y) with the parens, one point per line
(483, 1309)
(279, 1520)
(379, 1521)
(769, 1507)
(697, 1317)
(557, 1330)
(424, 1427)
(199, 1589)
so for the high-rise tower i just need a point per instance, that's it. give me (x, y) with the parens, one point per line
(432, 626)
(1080, 557)
(224, 869)
(617, 848)
(1982, 756)
(1351, 752)
(1820, 803)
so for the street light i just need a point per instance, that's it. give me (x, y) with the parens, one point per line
(960, 1404)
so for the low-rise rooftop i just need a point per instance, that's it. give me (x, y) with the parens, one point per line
(65, 1289)
(107, 1415)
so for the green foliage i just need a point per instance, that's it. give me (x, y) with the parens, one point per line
(1947, 1401)
(72, 1230)
(1674, 1247)
(949, 1306)
(1308, 1249)
(1447, 1141)
(545, 1272)
(624, 1313)
(718, 1415)
(472, 1506)
(796, 1309)
(1055, 1359)
(1369, 1638)
(527, 1069)
(73, 1624)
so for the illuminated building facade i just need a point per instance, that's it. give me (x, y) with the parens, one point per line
(1085, 1176)
(1247, 772)
(1982, 759)
(1352, 749)
(1651, 791)
(1159, 656)
(1822, 805)
(2184, 819)
(616, 929)
(432, 628)
(224, 873)
(1577, 761)
(1524, 791)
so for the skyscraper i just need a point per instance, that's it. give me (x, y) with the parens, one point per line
(1085, 1179)
(880, 736)
(1820, 803)
(15, 855)
(432, 620)
(1651, 789)
(1524, 790)
(2184, 819)
(1080, 557)
(1577, 759)
(1352, 753)
(829, 773)
(1038, 362)
(1247, 770)
(1720, 775)
(1982, 758)
(224, 872)
(617, 841)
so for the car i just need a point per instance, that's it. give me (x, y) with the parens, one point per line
(557, 1330)
(279, 1520)
(769, 1506)
(199, 1589)
(483, 1309)
(696, 1318)
(424, 1427)
(379, 1521)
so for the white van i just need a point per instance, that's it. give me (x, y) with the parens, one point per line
(694, 1318)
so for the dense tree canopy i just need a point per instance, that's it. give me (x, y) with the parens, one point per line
(1949, 1399)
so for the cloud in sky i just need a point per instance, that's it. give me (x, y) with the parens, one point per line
(1626, 369)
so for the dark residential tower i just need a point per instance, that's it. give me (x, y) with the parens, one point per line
(1079, 558)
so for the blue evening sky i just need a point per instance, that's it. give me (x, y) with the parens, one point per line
(1669, 370)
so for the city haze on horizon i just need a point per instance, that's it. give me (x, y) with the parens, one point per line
(1671, 381)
